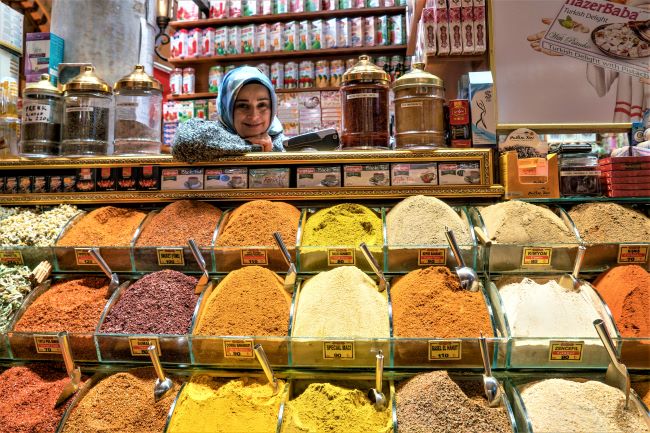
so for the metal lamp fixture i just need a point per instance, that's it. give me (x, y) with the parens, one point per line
(162, 20)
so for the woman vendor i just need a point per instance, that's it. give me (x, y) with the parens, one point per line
(247, 121)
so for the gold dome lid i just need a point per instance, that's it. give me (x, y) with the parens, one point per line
(138, 80)
(417, 76)
(42, 87)
(87, 81)
(365, 70)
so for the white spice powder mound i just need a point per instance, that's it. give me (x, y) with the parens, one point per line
(560, 405)
(421, 220)
(343, 302)
(610, 222)
(517, 222)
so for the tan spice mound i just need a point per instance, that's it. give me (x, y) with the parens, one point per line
(107, 226)
(610, 222)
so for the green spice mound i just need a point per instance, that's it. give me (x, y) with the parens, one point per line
(344, 224)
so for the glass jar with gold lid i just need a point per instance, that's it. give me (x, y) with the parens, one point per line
(364, 106)
(419, 115)
(42, 117)
(138, 113)
(87, 106)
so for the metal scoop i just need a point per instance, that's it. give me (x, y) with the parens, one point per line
(570, 281)
(290, 278)
(264, 362)
(375, 395)
(490, 384)
(617, 374)
(372, 261)
(74, 373)
(163, 385)
(115, 281)
(467, 276)
(205, 278)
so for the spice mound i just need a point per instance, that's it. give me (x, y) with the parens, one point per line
(158, 303)
(14, 287)
(434, 402)
(214, 405)
(430, 303)
(579, 407)
(27, 397)
(343, 302)
(343, 224)
(250, 301)
(34, 227)
(610, 222)
(421, 220)
(73, 306)
(626, 291)
(107, 226)
(517, 222)
(122, 403)
(179, 222)
(643, 389)
(324, 407)
(253, 224)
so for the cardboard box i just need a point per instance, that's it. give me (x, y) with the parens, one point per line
(277, 37)
(25, 184)
(148, 178)
(69, 183)
(181, 178)
(11, 185)
(39, 186)
(459, 173)
(234, 40)
(468, 30)
(268, 177)
(226, 178)
(366, 175)
(221, 41)
(429, 31)
(291, 36)
(414, 174)
(55, 184)
(442, 27)
(263, 38)
(247, 39)
(480, 28)
(85, 180)
(344, 32)
(127, 179)
(318, 177)
(526, 186)
(106, 179)
(482, 109)
(43, 53)
(455, 30)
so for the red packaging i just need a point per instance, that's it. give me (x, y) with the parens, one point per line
(628, 193)
(458, 112)
(623, 173)
(626, 166)
(627, 180)
(207, 42)
(623, 159)
(194, 43)
(179, 44)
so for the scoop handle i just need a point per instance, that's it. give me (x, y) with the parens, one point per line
(578, 263)
(101, 262)
(153, 354)
(451, 239)
(264, 362)
(64, 344)
(485, 355)
(607, 341)
(285, 252)
(371, 260)
(197, 254)
(379, 371)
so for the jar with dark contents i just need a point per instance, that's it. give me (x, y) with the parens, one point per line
(86, 115)
(364, 107)
(41, 126)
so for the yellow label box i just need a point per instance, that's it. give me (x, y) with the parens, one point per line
(533, 256)
(338, 350)
(565, 350)
(139, 345)
(238, 349)
(445, 350)
(170, 257)
(340, 256)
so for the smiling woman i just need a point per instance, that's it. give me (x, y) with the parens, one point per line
(247, 121)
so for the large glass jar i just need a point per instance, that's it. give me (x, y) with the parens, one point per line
(138, 113)
(41, 126)
(364, 107)
(419, 101)
(87, 109)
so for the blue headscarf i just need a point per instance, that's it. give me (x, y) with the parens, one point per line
(229, 88)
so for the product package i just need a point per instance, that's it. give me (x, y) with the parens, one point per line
(179, 44)
(318, 177)
(468, 29)
(55, 183)
(366, 175)
(291, 75)
(268, 177)
(370, 32)
(106, 179)
(296, 6)
(414, 174)
(345, 4)
(218, 8)
(456, 42)
(181, 178)
(148, 178)
(43, 53)
(25, 184)
(277, 37)
(266, 8)
(247, 39)
(69, 182)
(307, 74)
(39, 185)
(277, 75)
(312, 5)
(127, 179)
(482, 109)
(234, 40)
(344, 33)
(398, 30)
(85, 180)
(460, 132)
(356, 32)
(442, 27)
(250, 8)
(187, 10)
(11, 185)
(428, 31)
(329, 5)
(201, 109)
(459, 173)
(234, 8)
(316, 35)
(262, 38)
(291, 36)
(281, 6)
(221, 41)
(478, 15)
(329, 33)
(194, 37)
(207, 42)
(225, 178)
(382, 31)
(305, 35)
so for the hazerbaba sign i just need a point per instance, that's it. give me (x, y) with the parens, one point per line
(606, 34)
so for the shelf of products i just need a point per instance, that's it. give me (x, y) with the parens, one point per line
(206, 95)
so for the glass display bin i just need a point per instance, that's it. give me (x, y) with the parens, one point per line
(42, 117)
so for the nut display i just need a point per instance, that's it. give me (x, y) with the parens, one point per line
(35, 227)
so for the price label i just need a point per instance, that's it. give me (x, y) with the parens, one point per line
(10, 257)
(338, 350)
(238, 349)
(565, 350)
(533, 256)
(432, 256)
(340, 256)
(444, 350)
(139, 345)
(254, 257)
(632, 254)
(83, 257)
(47, 344)
(170, 256)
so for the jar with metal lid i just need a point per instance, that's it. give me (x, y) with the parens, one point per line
(87, 105)
(138, 113)
(364, 107)
(419, 112)
(42, 116)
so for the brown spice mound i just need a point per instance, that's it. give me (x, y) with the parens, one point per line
(626, 290)
(430, 303)
(433, 402)
(253, 224)
(249, 301)
(107, 226)
(610, 222)
(180, 221)
(122, 403)
(643, 389)
(73, 306)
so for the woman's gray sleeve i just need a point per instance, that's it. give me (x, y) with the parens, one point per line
(277, 142)
(200, 140)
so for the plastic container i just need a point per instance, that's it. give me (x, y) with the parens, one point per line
(579, 174)
(138, 114)
(42, 116)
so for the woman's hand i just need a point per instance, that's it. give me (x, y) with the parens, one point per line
(263, 140)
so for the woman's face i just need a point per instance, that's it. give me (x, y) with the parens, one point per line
(252, 114)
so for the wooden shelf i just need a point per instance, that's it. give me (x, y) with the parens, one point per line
(205, 95)
(457, 58)
(296, 55)
(255, 19)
